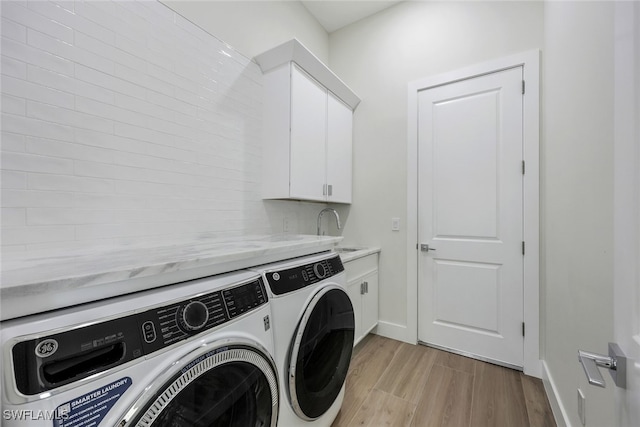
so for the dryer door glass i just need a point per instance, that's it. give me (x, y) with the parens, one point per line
(321, 355)
(207, 393)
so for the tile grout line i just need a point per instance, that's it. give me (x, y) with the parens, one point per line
(422, 390)
(366, 397)
(373, 387)
(457, 370)
(473, 393)
(395, 354)
(356, 411)
(524, 395)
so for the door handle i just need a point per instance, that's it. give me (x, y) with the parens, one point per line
(616, 362)
(425, 248)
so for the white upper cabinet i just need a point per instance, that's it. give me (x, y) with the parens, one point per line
(308, 127)
(308, 137)
(339, 152)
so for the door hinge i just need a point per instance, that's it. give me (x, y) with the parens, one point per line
(522, 328)
(523, 167)
(522, 248)
(523, 87)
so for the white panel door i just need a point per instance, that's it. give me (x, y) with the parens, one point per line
(308, 137)
(339, 151)
(470, 213)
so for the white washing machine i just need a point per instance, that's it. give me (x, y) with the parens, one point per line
(313, 327)
(198, 353)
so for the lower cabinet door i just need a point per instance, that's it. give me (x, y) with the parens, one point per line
(353, 290)
(370, 302)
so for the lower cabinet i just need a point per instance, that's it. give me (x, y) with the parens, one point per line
(362, 287)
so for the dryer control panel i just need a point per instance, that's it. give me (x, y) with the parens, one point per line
(49, 361)
(292, 279)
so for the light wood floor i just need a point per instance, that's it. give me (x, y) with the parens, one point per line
(397, 384)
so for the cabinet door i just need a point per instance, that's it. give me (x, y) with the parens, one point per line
(339, 149)
(353, 290)
(370, 302)
(308, 137)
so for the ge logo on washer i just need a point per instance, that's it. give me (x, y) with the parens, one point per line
(46, 348)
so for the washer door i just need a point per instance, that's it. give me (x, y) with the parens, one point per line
(321, 352)
(229, 384)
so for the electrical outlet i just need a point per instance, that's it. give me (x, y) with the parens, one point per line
(395, 224)
(581, 407)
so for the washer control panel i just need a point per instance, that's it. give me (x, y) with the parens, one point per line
(46, 362)
(164, 326)
(292, 279)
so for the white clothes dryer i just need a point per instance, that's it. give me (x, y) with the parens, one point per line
(313, 326)
(194, 354)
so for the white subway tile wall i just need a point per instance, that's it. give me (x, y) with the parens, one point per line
(123, 121)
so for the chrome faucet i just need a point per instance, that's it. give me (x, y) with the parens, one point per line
(328, 210)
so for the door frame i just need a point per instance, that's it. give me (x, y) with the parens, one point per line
(626, 204)
(530, 61)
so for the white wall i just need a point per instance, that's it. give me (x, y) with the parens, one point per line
(577, 197)
(377, 57)
(253, 27)
(124, 121)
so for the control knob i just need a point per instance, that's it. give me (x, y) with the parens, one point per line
(193, 316)
(320, 270)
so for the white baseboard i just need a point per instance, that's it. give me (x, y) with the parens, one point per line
(558, 409)
(394, 331)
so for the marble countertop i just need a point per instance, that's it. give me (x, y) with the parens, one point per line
(45, 282)
(355, 252)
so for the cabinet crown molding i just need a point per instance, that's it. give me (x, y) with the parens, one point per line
(294, 51)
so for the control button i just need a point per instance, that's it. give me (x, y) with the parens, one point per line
(276, 276)
(305, 276)
(194, 316)
(149, 331)
(320, 270)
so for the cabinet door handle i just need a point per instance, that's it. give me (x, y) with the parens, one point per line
(330, 189)
(366, 287)
(362, 288)
(324, 189)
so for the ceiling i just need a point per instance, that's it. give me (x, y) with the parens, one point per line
(335, 14)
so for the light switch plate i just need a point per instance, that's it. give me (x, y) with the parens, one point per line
(395, 224)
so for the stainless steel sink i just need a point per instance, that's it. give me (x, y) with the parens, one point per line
(343, 250)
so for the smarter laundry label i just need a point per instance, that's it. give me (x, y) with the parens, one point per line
(89, 409)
